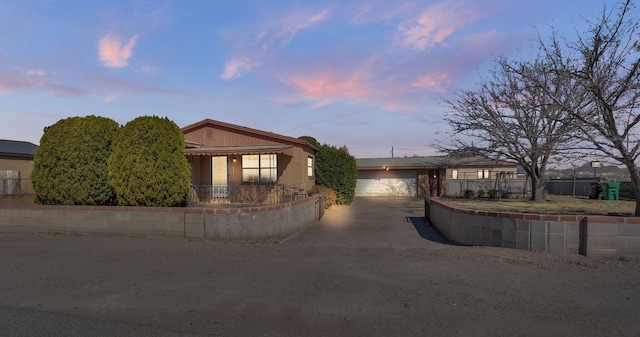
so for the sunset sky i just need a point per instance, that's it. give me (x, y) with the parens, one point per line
(366, 74)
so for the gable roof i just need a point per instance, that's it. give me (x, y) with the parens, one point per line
(16, 148)
(433, 162)
(409, 163)
(244, 129)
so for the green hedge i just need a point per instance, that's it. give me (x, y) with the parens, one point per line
(70, 166)
(148, 166)
(336, 169)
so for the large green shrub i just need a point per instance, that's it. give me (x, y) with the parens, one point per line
(148, 166)
(311, 141)
(336, 169)
(70, 166)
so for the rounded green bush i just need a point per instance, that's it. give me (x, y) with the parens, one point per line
(70, 166)
(147, 166)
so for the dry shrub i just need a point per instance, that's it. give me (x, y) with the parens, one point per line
(251, 194)
(330, 197)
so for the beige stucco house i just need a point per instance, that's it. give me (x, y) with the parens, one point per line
(16, 166)
(230, 161)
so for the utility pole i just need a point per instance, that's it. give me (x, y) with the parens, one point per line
(392, 152)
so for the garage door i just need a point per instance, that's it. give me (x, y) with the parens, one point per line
(387, 183)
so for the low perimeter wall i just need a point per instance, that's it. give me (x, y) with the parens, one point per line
(564, 234)
(245, 223)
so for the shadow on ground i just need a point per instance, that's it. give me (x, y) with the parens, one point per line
(426, 231)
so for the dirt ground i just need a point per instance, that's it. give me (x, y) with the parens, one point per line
(363, 270)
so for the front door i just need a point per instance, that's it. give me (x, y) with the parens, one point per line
(219, 177)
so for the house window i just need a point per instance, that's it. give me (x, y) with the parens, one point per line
(310, 167)
(483, 174)
(454, 174)
(260, 168)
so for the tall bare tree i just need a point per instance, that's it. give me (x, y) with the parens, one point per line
(604, 64)
(511, 117)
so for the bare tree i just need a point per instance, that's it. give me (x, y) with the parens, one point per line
(511, 117)
(605, 66)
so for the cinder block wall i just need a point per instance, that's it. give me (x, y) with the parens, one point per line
(246, 223)
(610, 236)
(563, 234)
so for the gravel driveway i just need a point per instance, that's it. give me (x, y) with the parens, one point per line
(369, 269)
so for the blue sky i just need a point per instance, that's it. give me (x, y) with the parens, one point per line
(366, 74)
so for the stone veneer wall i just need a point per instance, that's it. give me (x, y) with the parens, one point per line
(564, 234)
(242, 223)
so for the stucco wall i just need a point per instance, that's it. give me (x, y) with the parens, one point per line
(25, 166)
(246, 223)
(564, 234)
(294, 171)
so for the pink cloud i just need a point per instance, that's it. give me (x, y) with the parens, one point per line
(89, 84)
(436, 81)
(236, 67)
(329, 86)
(113, 54)
(35, 80)
(436, 24)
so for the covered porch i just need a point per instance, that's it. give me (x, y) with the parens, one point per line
(238, 174)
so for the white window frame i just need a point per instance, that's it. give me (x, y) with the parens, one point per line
(261, 169)
(310, 167)
(484, 174)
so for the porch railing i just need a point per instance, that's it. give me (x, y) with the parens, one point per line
(245, 194)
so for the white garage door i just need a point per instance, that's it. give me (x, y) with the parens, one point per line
(387, 183)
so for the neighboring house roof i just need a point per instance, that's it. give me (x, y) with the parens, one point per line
(409, 163)
(421, 163)
(477, 162)
(16, 148)
(245, 130)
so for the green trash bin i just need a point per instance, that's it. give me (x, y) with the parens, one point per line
(611, 190)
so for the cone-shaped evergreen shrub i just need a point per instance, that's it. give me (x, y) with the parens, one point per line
(148, 166)
(70, 166)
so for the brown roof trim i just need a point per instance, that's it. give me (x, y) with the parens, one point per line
(191, 144)
(245, 129)
(239, 150)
